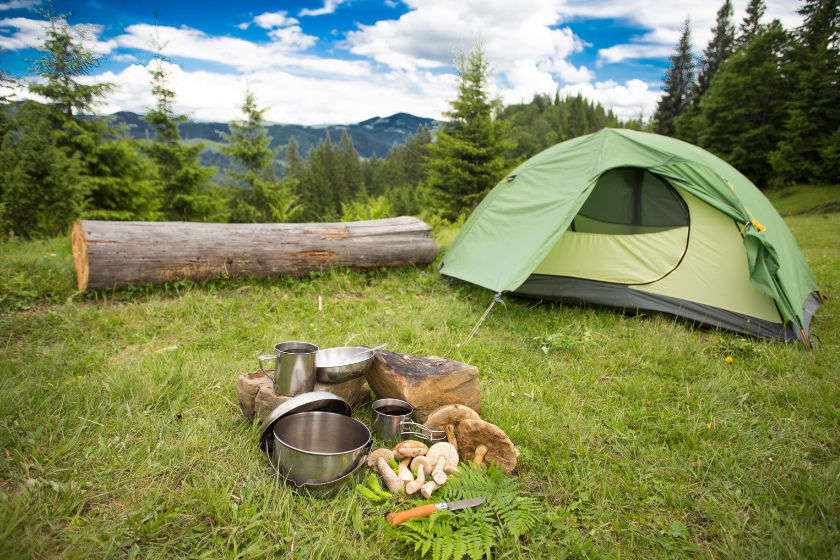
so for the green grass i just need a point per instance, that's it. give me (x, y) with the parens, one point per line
(801, 197)
(120, 436)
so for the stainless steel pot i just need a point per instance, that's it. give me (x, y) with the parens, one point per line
(330, 366)
(318, 447)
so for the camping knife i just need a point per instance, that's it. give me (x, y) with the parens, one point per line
(425, 511)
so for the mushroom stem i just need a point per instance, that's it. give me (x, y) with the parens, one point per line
(450, 435)
(404, 472)
(480, 451)
(415, 485)
(440, 464)
(427, 489)
(451, 470)
(392, 481)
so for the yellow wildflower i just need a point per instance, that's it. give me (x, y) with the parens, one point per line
(728, 359)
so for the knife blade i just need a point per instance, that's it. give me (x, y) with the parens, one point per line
(425, 511)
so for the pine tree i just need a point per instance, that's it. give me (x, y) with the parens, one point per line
(65, 59)
(744, 110)
(185, 192)
(294, 164)
(254, 189)
(469, 152)
(351, 168)
(751, 26)
(84, 167)
(719, 49)
(678, 80)
(814, 106)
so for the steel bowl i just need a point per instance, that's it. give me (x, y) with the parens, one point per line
(319, 447)
(330, 369)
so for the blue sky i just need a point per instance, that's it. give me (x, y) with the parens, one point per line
(343, 61)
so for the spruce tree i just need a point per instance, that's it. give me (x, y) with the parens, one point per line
(719, 49)
(804, 152)
(350, 166)
(744, 110)
(294, 164)
(751, 26)
(185, 192)
(679, 79)
(469, 152)
(254, 189)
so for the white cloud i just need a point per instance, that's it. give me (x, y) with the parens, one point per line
(28, 33)
(19, 5)
(293, 99)
(665, 20)
(270, 20)
(626, 101)
(239, 53)
(329, 8)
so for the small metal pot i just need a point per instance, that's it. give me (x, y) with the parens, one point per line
(329, 366)
(392, 420)
(318, 447)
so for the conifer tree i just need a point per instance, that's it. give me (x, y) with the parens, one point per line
(719, 49)
(351, 167)
(294, 164)
(805, 150)
(744, 109)
(679, 79)
(84, 167)
(186, 194)
(469, 152)
(751, 25)
(254, 189)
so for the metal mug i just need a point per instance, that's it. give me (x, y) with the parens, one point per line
(294, 372)
(392, 421)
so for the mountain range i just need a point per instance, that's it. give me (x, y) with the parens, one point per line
(372, 136)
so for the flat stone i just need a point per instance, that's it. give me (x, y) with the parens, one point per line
(424, 382)
(257, 397)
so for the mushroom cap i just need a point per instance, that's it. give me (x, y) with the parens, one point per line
(386, 454)
(422, 460)
(453, 414)
(500, 450)
(409, 448)
(442, 449)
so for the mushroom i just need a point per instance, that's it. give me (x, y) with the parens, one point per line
(451, 470)
(386, 454)
(422, 465)
(403, 471)
(440, 455)
(482, 440)
(447, 418)
(427, 489)
(392, 481)
(409, 448)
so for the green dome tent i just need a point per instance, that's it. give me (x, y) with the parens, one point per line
(640, 222)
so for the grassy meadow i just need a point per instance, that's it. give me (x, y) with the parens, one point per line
(121, 438)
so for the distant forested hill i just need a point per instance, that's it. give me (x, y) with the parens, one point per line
(373, 136)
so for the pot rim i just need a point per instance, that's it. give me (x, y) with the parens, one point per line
(293, 448)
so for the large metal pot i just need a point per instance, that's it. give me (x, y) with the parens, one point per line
(319, 447)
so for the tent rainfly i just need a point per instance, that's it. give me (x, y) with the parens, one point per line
(640, 222)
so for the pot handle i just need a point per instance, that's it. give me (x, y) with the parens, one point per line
(433, 435)
(269, 357)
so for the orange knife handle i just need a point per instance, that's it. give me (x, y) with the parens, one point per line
(423, 511)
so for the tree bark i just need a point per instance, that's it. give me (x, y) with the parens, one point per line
(115, 254)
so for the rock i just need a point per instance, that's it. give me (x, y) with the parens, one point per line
(257, 397)
(426, 383)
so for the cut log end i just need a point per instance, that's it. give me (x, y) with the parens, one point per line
(80, 255)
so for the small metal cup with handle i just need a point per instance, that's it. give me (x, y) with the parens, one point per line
(294, 372)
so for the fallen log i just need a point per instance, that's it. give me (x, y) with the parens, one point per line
(115, 254)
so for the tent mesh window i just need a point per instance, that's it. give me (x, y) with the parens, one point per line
(630, 201)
